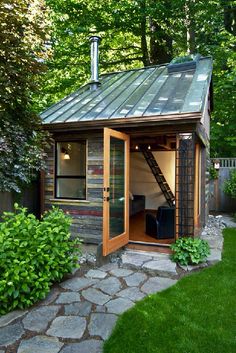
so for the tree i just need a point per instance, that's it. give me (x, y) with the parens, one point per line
(23, 34)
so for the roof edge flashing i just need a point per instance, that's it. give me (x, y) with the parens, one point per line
(183, 63)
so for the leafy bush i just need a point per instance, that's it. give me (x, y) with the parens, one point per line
(190, 250)
(33, 255)
(213, 173)
(230, 185)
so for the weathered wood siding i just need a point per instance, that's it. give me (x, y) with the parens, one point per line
(87, 215)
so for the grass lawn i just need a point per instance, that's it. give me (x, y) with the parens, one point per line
(197, 315)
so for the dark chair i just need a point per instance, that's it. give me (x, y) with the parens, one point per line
(163, 225)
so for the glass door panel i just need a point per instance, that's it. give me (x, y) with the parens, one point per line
(116, 184)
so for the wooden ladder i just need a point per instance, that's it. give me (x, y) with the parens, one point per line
(156, 171)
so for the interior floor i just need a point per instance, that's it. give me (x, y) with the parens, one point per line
(137, 230)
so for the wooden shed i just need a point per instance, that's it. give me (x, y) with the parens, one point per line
(132, 144)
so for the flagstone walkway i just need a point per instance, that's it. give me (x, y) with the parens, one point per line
(80, 313)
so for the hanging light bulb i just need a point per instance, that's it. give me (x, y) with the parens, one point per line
(66, 155)
(149, 147)
(136, 147)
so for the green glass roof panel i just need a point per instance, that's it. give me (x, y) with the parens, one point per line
(104, 112)
(140, 86)
(176, 100)
(149, 95)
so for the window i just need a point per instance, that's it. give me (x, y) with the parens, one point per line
(70, 170)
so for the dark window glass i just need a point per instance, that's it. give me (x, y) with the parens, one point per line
(70, 176)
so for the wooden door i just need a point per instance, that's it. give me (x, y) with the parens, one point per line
(115, 191)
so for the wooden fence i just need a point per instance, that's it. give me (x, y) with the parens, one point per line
(219, 201)
(29, 198)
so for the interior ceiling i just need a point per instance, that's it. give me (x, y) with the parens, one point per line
(154, 143)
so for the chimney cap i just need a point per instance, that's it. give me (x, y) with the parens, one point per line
(95, 38)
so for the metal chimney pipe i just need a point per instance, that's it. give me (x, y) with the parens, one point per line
(94, 83)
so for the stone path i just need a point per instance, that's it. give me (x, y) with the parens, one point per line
(80, 313)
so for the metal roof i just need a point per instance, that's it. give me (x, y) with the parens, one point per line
(145, 92)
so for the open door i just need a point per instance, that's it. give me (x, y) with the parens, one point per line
(115, 191)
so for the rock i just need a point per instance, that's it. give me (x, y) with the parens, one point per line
(38, 319)
(101, 324)
(135, 279)
(100, 309)
(68, 297)
(157, 284)
(132, 293)
(89, 346)
(96, 274)
(133, 260)
(118, 306)
(121, 272)
(95, 296)
(40, 344)
(214, 257)
(162, 267)
(110, 285)
(13, 315)
(81, 309)
(76, 284)
(68, 327)
(190, 268)
(10, 334)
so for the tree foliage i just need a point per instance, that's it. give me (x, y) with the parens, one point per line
(140, 33)
(23, 34)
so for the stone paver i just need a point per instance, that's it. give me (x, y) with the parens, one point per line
(10, 317)
(40, 344)
(135, 279)
(82, 308)
(132, 293)
(89, 346)
(68, 297)
(119, 305)
(121, 272)
(110, 266)
(96, 274)
(162, 267)
(101, 324)
(76, 284)
(9, 334)
(110, 285)
(95, 296)
(51, 297)
(157, 284)
(67, 327)
(38, 319)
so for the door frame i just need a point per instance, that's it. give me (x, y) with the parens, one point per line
(110, 245)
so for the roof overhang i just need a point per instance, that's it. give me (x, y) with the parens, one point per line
(125, 122)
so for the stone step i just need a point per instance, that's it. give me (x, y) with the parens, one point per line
(149, 262)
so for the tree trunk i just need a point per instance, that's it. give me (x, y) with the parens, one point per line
(160, 44)
(144, 47)
(230, 19)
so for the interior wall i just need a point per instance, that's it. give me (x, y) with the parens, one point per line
(142, 181)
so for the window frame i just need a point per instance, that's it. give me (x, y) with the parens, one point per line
(56, 177)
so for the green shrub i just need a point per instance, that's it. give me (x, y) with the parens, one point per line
(230, 185)
(33, 255)
(189, 250)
